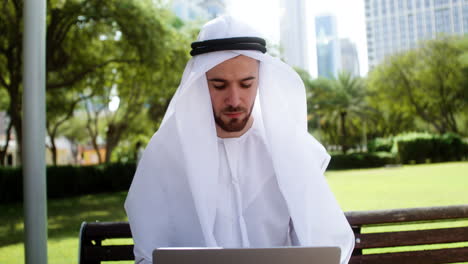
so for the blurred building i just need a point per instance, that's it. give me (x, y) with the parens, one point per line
(397, 25)
(293, 34)
(349, 57)
(87, 155)
(328, 46)
(65, 153)
(198, 9)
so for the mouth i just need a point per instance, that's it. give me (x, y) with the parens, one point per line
(233, 114)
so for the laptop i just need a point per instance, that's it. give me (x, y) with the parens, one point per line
(283, 255)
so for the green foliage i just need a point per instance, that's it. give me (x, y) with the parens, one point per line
(426, 148)
(380, 145)
(68, 181)
(145, 60)
(336, 108)
(138, 46)
(429, 83)
(4, 100)
(360, 160)
(73, 129)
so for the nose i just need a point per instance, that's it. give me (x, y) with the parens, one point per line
(233, 97)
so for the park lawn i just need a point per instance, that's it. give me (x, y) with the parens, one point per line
(64, 219)
(367, 189)
(401, 187)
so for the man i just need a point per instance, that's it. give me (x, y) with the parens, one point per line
(232, 164)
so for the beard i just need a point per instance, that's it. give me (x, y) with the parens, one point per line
(234, 124)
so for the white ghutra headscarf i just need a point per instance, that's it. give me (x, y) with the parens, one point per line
(172, 199)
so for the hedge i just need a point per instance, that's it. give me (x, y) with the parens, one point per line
(360, 160)
(380, 145)
(427, 148)
(68, 181)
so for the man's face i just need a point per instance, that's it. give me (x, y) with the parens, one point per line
(233, 86)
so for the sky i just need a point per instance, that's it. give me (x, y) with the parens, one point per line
(264, 15)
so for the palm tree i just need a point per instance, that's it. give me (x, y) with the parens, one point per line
(346, 98)
(333, 105)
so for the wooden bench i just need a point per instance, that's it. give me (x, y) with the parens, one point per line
(92, 235)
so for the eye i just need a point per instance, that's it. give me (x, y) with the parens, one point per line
(245, 85)
(219, 87)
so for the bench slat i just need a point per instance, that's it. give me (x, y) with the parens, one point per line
(104, 230)
(358, 218)
(105, 253)
(437, 256)
(410, 238)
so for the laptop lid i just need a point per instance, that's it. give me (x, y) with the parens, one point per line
(283, 255)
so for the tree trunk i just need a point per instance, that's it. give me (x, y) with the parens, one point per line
(344, 146)
(94, 140)
(53, 149)
(96, 148)
(110, 146)
(93, 133)
(113, 135)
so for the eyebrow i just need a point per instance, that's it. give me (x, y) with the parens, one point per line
(223, 80)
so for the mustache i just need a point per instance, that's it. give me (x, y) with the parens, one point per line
(234, 109)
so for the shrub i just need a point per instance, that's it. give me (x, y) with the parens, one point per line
(360, 160)
(425, 147)
(11, 185)
(67, 181)
(380, 145)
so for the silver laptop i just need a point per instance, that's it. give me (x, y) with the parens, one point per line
(284, 255)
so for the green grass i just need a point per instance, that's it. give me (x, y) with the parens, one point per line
(369, 189)
(64, 220)
(401, 187)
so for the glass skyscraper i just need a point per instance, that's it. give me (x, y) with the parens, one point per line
(198, 9)
(398, 25)
(328, 46)
(349, 57)
(293, 33)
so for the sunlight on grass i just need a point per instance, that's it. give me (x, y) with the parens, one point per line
(415, 248)
(64, 219)
(402, 187)
(415, 226)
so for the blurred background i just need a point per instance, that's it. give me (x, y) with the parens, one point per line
(386, 82)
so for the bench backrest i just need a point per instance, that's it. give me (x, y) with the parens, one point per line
(433, 226)
(92, 250)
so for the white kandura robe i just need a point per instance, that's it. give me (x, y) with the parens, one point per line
(251, 211)
(172, 201)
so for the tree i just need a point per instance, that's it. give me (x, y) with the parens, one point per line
(82, 38)
(72, 129)
(11, 61)
(347, 98)
(143, 92)
(59, 112)
(336, 106)
(430, 82)
(387, 119)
